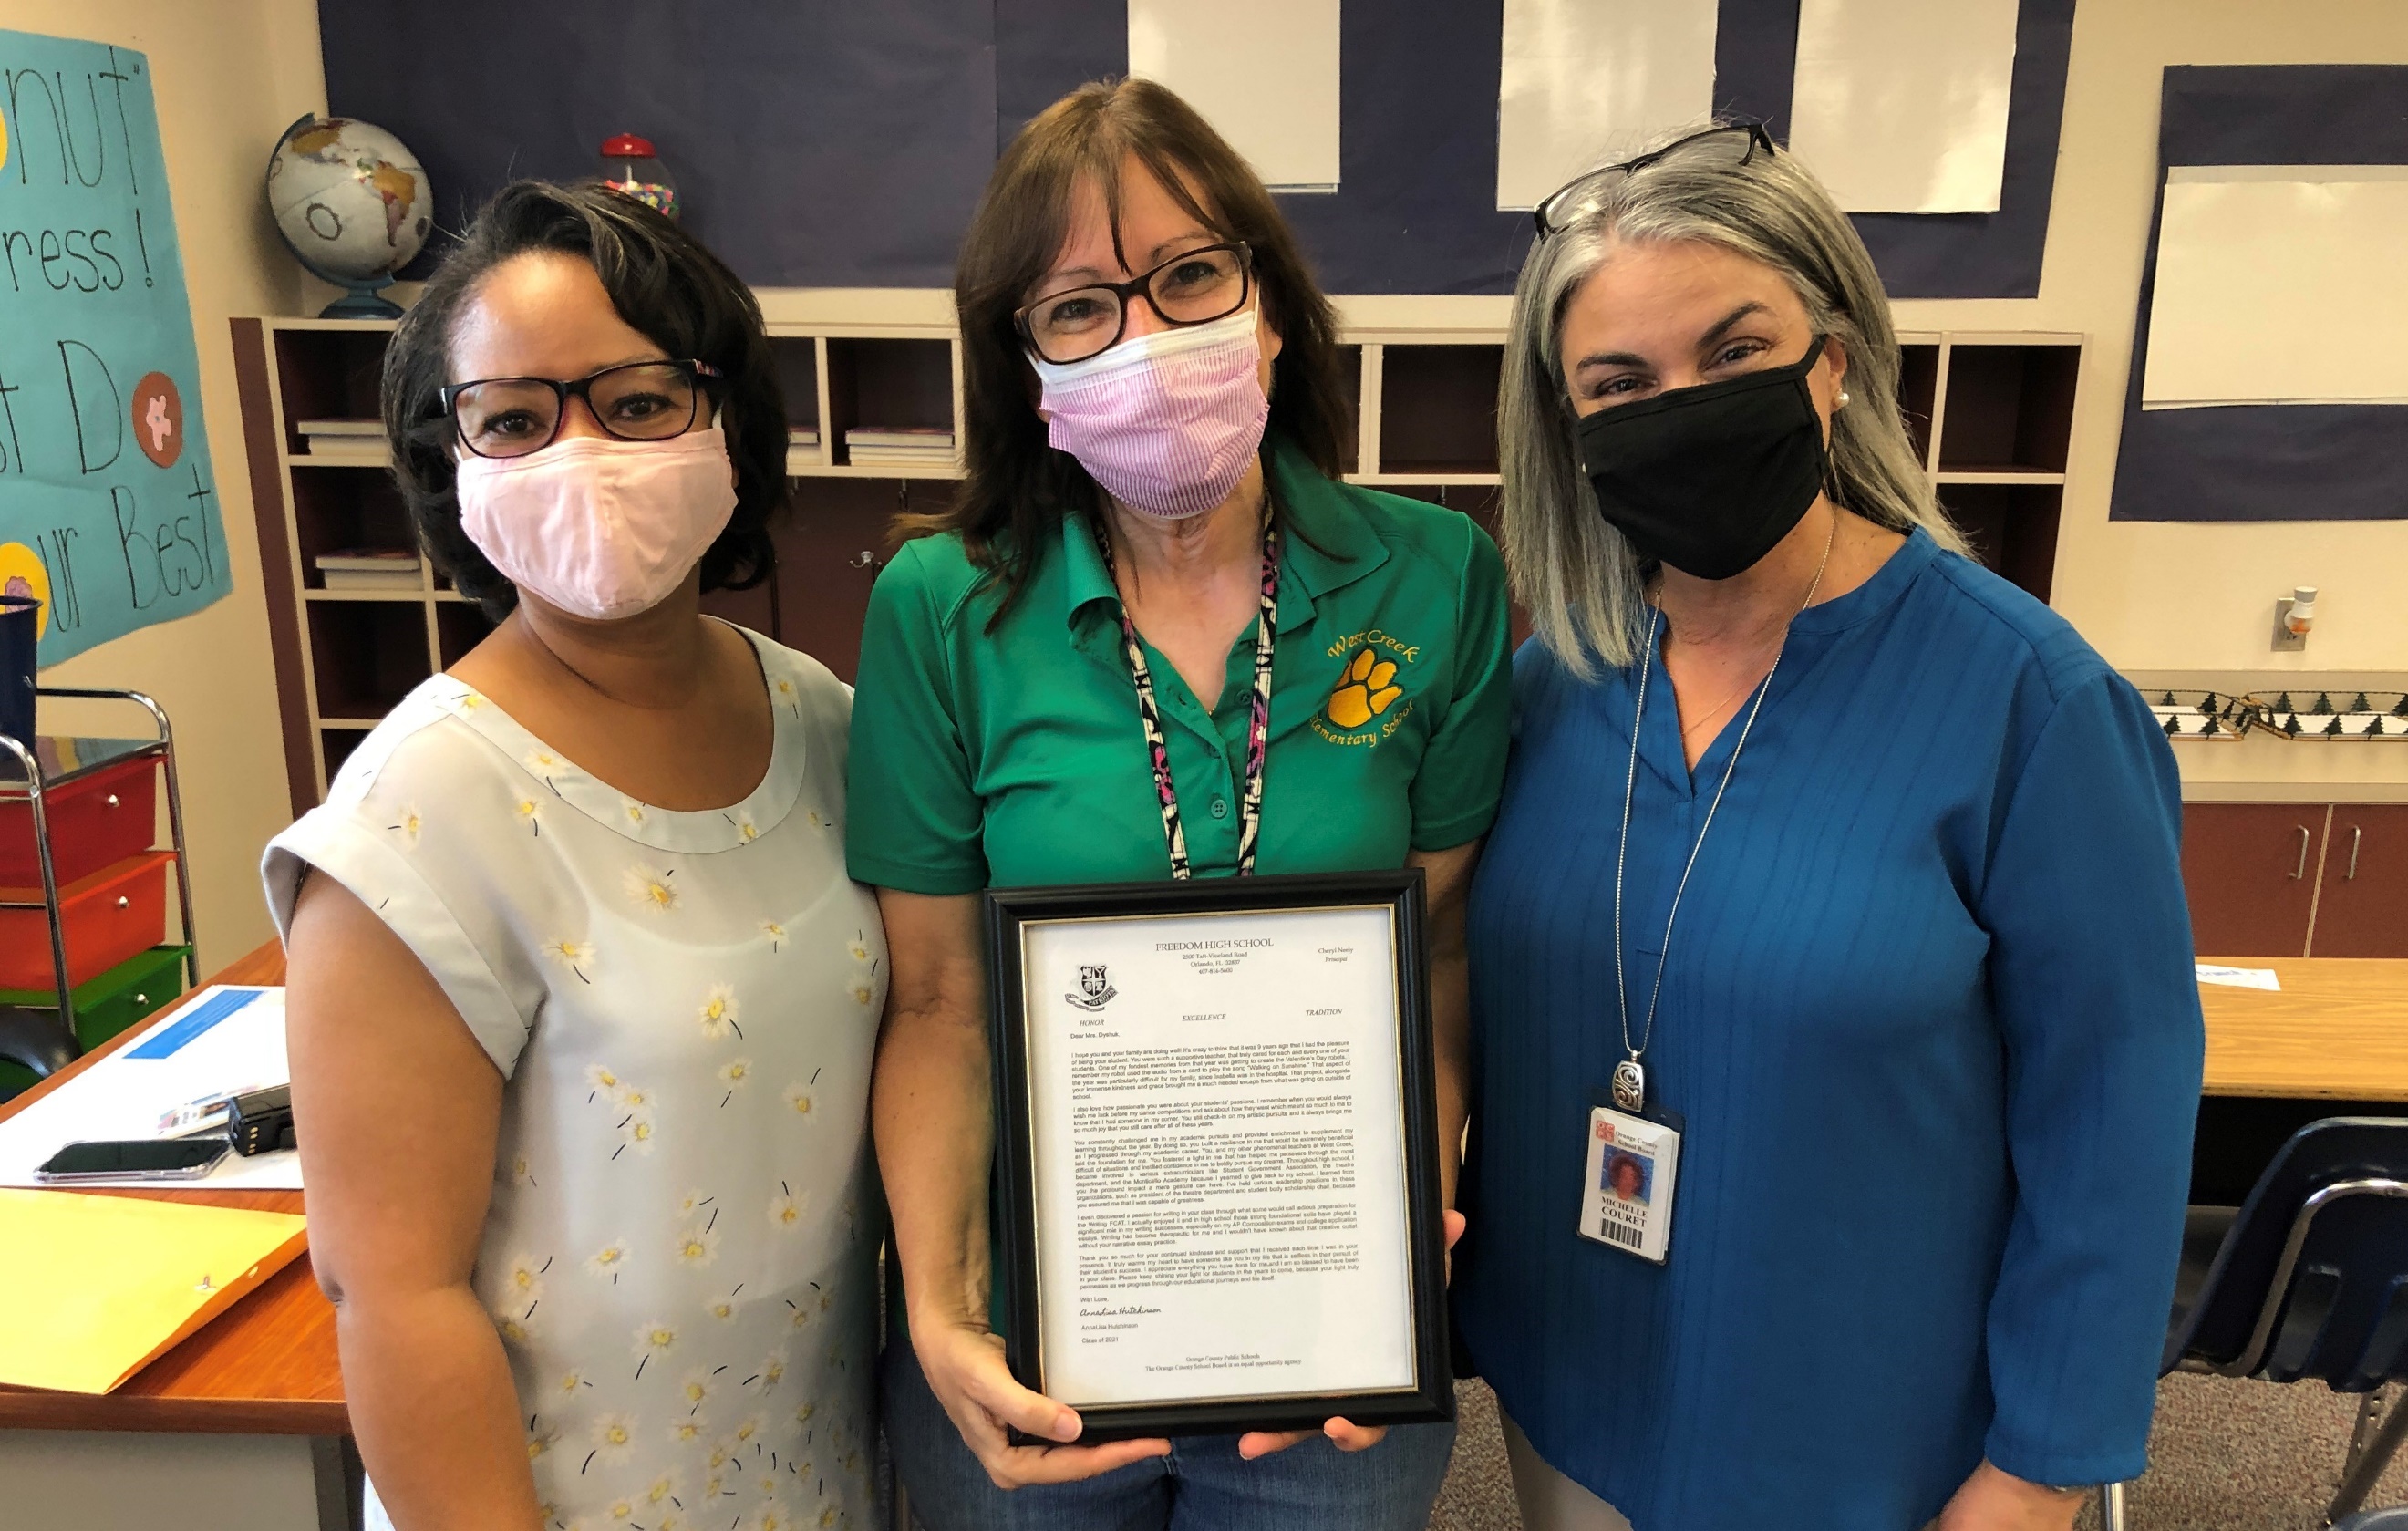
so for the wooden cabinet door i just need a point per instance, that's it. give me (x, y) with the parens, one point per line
(2250, 871)
(2362, 909)
(831, 544)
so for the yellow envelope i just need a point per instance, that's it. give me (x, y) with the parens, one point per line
(96, 1287)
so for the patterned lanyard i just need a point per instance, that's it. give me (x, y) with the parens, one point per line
(1258, 725)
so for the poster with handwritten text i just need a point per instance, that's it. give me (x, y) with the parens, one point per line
(109, 509)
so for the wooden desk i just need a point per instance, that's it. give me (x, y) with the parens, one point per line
(2338, 1030)
(265, 1366)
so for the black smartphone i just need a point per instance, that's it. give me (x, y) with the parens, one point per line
(137, 1158)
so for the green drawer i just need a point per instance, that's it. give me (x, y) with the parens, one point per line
(105, 1005)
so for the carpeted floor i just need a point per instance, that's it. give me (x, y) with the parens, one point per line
(2225, 1455)
(1478, 1493)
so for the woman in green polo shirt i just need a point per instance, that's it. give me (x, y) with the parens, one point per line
(1156, 636)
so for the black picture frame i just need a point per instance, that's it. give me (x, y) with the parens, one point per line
(1008, 910)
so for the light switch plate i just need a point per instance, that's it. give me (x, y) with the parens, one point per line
(2287, 642)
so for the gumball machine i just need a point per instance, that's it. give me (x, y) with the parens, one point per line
(633, 166)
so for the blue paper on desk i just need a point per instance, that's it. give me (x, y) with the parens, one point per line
(108, 504)
(196, 1019)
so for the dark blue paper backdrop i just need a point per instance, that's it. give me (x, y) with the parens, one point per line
(2299, 462)
(843, 143)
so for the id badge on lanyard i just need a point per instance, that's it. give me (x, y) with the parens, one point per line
(1634, 1151)
(1634, 1163)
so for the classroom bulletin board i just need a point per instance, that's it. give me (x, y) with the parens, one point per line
(2304, 457)
(825, 144)
(108, 506)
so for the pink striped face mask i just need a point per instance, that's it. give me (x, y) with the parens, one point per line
(1167, 422)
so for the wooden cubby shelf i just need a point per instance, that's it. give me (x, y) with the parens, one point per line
(1425, 411)
(1991, 416)
(2009, 407)
(870, 381)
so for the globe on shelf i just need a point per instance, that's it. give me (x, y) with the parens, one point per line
(353, 205)
(632, 167)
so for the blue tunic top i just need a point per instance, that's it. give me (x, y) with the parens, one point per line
(1930, 1018)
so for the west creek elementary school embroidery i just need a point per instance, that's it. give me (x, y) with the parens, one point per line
(1357, 711)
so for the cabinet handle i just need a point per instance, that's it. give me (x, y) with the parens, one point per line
(123, 902)
(2301, 870)
(112, 799)
(2357, 834)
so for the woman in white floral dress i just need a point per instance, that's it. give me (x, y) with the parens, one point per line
(582, 1009)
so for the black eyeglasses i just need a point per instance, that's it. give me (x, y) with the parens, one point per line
(1728, 147)
(637, 400)
(1195, 287)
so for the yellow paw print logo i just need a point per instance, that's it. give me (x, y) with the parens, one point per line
(1363, 692)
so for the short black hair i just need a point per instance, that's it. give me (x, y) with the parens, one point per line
(666, 285)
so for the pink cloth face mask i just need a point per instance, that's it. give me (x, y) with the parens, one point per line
(599, 527)
(1167, 422)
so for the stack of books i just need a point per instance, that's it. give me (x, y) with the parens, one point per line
(371, 568)
(344, 440)
(900, 446)
(802, 448)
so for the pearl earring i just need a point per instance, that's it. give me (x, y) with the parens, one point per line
(1843, 399)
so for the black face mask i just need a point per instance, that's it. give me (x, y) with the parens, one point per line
(1708, 479)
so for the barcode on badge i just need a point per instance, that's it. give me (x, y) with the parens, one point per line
(1629, 1238)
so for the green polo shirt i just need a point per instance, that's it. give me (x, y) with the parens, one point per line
(1015, 757)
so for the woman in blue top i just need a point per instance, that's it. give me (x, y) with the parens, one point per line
(1837, 856)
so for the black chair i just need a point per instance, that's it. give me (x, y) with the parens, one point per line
(2308, 1279)
(37, 1039)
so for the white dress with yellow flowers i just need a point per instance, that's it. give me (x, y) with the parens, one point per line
(680, 1251)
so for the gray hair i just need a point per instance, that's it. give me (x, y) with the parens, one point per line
(1577, 576)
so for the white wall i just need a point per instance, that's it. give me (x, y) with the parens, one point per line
(229, 76)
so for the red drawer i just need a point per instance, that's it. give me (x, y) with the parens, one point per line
(110, 916)
(96, 821)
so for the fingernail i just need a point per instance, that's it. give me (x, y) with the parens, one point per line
(1067, 1427)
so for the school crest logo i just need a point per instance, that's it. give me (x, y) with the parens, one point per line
(1096, 988)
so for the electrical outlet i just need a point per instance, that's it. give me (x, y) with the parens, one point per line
(2287, 642)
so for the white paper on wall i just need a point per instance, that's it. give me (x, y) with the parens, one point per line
(1263, 72)
(1584, 82)
(2279, 284)
(1901, 105)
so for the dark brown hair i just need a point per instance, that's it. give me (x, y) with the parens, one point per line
(666, 285)
(1019, 488)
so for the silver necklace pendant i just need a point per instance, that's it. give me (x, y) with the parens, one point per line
(1629, 1086)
